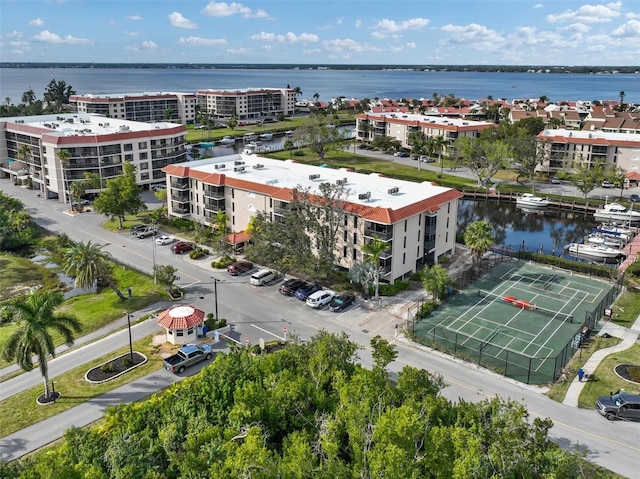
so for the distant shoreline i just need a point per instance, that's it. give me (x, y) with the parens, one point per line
(610, 70)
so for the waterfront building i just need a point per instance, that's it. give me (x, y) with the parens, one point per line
(145, 107)
(247, 104)
(30, 149)
(564, 148)
(417, 220)
(399, 126)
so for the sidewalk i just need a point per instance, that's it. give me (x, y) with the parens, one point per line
(629, 337)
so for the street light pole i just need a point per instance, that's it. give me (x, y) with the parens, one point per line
(153, 238)
(130, 342)
(215, 295)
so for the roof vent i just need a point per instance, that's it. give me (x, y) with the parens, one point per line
(220, 166)
(258, 166)
(239, 169)
(238, 162)
(340, 182)
(393, 191)
(314, 177)
(364, 196)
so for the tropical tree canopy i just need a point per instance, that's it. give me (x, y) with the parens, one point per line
(309, 411)
(121, 196)
(318, 135)
(36, 319)
(478, 238)
(17, 229)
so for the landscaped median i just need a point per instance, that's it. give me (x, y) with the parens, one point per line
(21, 410)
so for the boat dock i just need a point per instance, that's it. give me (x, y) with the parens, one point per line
(511, 197)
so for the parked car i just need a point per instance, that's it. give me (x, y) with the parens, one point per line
(290, 286)
(635, 198)
(619, 406)
(135, 229)
(339, 303)
(150, 231)
(427, 159)
(262, 277)
(239, 267)
(303, 293)
(181, 246)
(188, 355)
(320, 298)
(158, 187)
(403, 154)
(556, 181)
(607, 184)
(165, 239)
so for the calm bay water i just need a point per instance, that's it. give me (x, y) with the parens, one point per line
(328, 83)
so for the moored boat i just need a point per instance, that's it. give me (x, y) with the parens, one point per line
(227, 141)
(530, 200)
(595, 252)
(617, 212)
(266, 136)
(600, 239)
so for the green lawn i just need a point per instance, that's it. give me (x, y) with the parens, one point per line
(21, 410)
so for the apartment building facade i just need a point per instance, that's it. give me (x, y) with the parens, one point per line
(399, 126)
(417, 220)
(247, 103)
(30, 149)
(566, 148)
(143, 107)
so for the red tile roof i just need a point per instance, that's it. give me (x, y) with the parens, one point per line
(181, 317)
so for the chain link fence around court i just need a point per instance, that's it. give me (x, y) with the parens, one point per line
(490, 352)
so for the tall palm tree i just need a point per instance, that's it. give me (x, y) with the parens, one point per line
(297, 91)
(375, 248)
(24, 152)
(87, 263)
(64, 156)
(269, 98)
(316, 96)
(35, 318)
(438, 142)
(478, 239)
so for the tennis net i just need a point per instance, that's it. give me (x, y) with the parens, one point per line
(525, 304)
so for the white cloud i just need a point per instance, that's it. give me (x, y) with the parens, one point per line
(347, 44)
(289, 37)
(36, 22)
(358, 23)
(131, 34)
(386, 27)
(46, 36)
(240, 51)
(538, 5)
(177, 20)
(199, 41)
(147, 45)
(576, 28)
(477, 37)
(632, 15)
(628, 29)
(133, 17)
(589, 14)
(223, 9)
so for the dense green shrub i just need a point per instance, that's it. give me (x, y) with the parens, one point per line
(180, 224)
(391, 289)
(223, 262)
(198, 253)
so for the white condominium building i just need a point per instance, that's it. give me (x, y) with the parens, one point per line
(399, 126)
(30, 149)
(145, 107)
(247, 103)
(417, 220)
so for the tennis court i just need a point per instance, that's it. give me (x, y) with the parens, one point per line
(520, 319)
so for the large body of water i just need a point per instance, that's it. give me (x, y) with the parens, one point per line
(394, 84)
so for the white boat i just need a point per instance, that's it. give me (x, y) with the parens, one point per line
(288, 132)
(530, 200)
(594, 252)
(615, 230)
(600, 239)
(249, 137)
(266, 136)
(617, 212)
(227, 141)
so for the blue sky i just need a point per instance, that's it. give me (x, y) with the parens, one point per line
(505, 32)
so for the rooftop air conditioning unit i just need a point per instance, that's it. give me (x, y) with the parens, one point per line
(393, 191)
(258, 166)
(239, 169)
(314, 177)
(364, 196)
(220, 166)
(238, 162)
(340, 182)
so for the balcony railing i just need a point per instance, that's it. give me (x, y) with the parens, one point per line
(180, 185)
(180, 198)
(382, 235)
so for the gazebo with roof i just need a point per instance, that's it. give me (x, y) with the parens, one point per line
(183, 324)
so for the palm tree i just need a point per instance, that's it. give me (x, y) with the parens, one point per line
(437, 143)
(29, 96)
(269, 98)
(35, 317)
(316, 96)
(478, 239)
(87, 263)
(24, 152)
(64, 156)
(297, 91)
(168, 114)
(375, 248)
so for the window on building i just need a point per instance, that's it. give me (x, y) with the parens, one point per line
(419, 219)
(405, 226)
(179, 332)
(405, 242)
(355, 238)
(144, 176)
(142, 145)
(144, 155)
(189, 331)
(448, 222)
(128, 147)
(144, 166)
(346, 220)
(404, 258)
(128, 157)
(355, 221)
(446, 237)
(355, 254)
(344, 251)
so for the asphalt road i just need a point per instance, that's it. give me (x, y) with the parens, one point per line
(261, 312)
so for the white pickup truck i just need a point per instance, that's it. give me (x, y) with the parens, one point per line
(187, 355)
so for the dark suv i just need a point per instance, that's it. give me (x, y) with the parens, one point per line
(239, 267)
(290, 286)
(619, 406)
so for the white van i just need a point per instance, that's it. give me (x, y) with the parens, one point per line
(320, 298)
(262, 277)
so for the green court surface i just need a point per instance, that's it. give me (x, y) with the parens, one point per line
(520, 319)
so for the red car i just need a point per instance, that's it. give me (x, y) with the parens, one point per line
(239, 267)
(181, 246)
